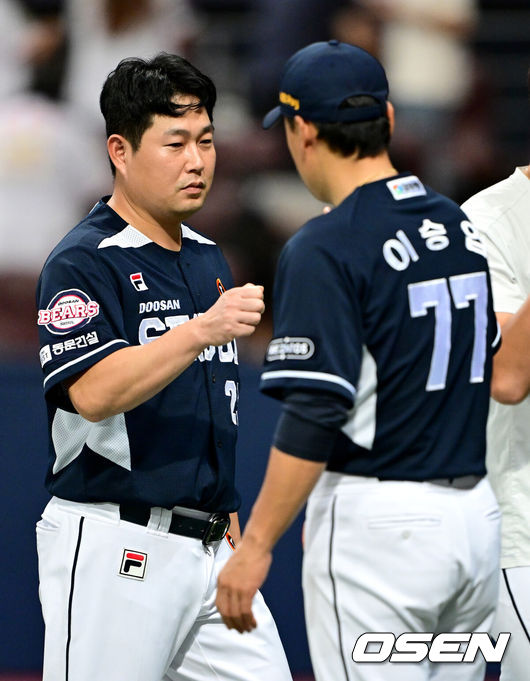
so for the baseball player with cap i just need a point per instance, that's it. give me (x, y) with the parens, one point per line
(138, 318)
(502, 215)
(383, 339)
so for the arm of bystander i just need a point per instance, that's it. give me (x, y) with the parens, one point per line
(511, 365)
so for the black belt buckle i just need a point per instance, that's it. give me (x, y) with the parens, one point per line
(218, 524)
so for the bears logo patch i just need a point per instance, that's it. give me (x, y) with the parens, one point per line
(68, 310)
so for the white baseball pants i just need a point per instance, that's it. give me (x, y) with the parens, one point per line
(397, 557)
(513, 615)
(122, 602)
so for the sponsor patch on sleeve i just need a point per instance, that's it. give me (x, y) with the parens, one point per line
(68, 310)
(78, 343)
(290, 347)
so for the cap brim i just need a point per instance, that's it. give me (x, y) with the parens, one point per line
(272, 118)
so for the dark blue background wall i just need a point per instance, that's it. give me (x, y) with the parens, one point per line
(22, 496)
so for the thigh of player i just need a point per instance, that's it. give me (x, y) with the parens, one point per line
(473, 606)
(380, 557)
(117, 599)
(211, 651)
(513, 615)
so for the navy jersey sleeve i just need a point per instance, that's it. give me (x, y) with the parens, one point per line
(318, 336)
(79, 316)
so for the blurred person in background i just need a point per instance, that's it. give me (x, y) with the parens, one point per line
(423, 45)
(280, 28)
(502, 214)
(49, 172)
(14, 72)
(102, 32)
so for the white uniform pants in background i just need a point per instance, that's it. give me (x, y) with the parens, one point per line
(513, 615)
(157, 619)
(397, 557)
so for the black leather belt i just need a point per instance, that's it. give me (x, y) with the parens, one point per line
(208, 530)
(462, 482)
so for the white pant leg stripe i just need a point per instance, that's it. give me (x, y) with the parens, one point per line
(334, 588)
(514, 604)
(71, 597)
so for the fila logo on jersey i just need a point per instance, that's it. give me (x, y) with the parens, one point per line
(68, 310)
(137, 280)
(290, 348)
(406, 188)
(133, 564)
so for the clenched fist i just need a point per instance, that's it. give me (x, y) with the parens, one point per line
(237, 313)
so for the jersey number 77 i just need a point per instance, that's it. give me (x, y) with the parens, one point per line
(437, 293)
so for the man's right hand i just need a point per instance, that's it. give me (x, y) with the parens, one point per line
(237, 313)
(131, 375)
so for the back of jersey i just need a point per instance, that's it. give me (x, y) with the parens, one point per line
(386, 301)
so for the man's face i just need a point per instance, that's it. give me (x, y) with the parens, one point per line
(170, 174)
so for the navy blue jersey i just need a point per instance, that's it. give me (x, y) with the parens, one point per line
(107, 286)
(386, 301)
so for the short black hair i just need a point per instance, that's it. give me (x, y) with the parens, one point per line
(364, 138)
(139, 89)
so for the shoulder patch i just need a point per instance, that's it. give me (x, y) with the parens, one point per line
(68, 310)
(295, 347)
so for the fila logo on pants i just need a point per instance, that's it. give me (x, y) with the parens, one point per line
(133, 564)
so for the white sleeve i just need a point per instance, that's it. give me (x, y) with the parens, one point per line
(507, 294)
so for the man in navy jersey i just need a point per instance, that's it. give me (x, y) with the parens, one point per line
(383, 341)
(138, 319)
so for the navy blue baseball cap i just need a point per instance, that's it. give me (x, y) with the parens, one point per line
(318, 78)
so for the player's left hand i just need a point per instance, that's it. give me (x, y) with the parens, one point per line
(238, 581)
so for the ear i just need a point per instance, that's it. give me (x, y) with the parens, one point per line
(390, 112)
(307, 130)
(118, 149)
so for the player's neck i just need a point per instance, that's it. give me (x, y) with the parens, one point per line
(526, 171)
(165, 235)
(346, 175)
